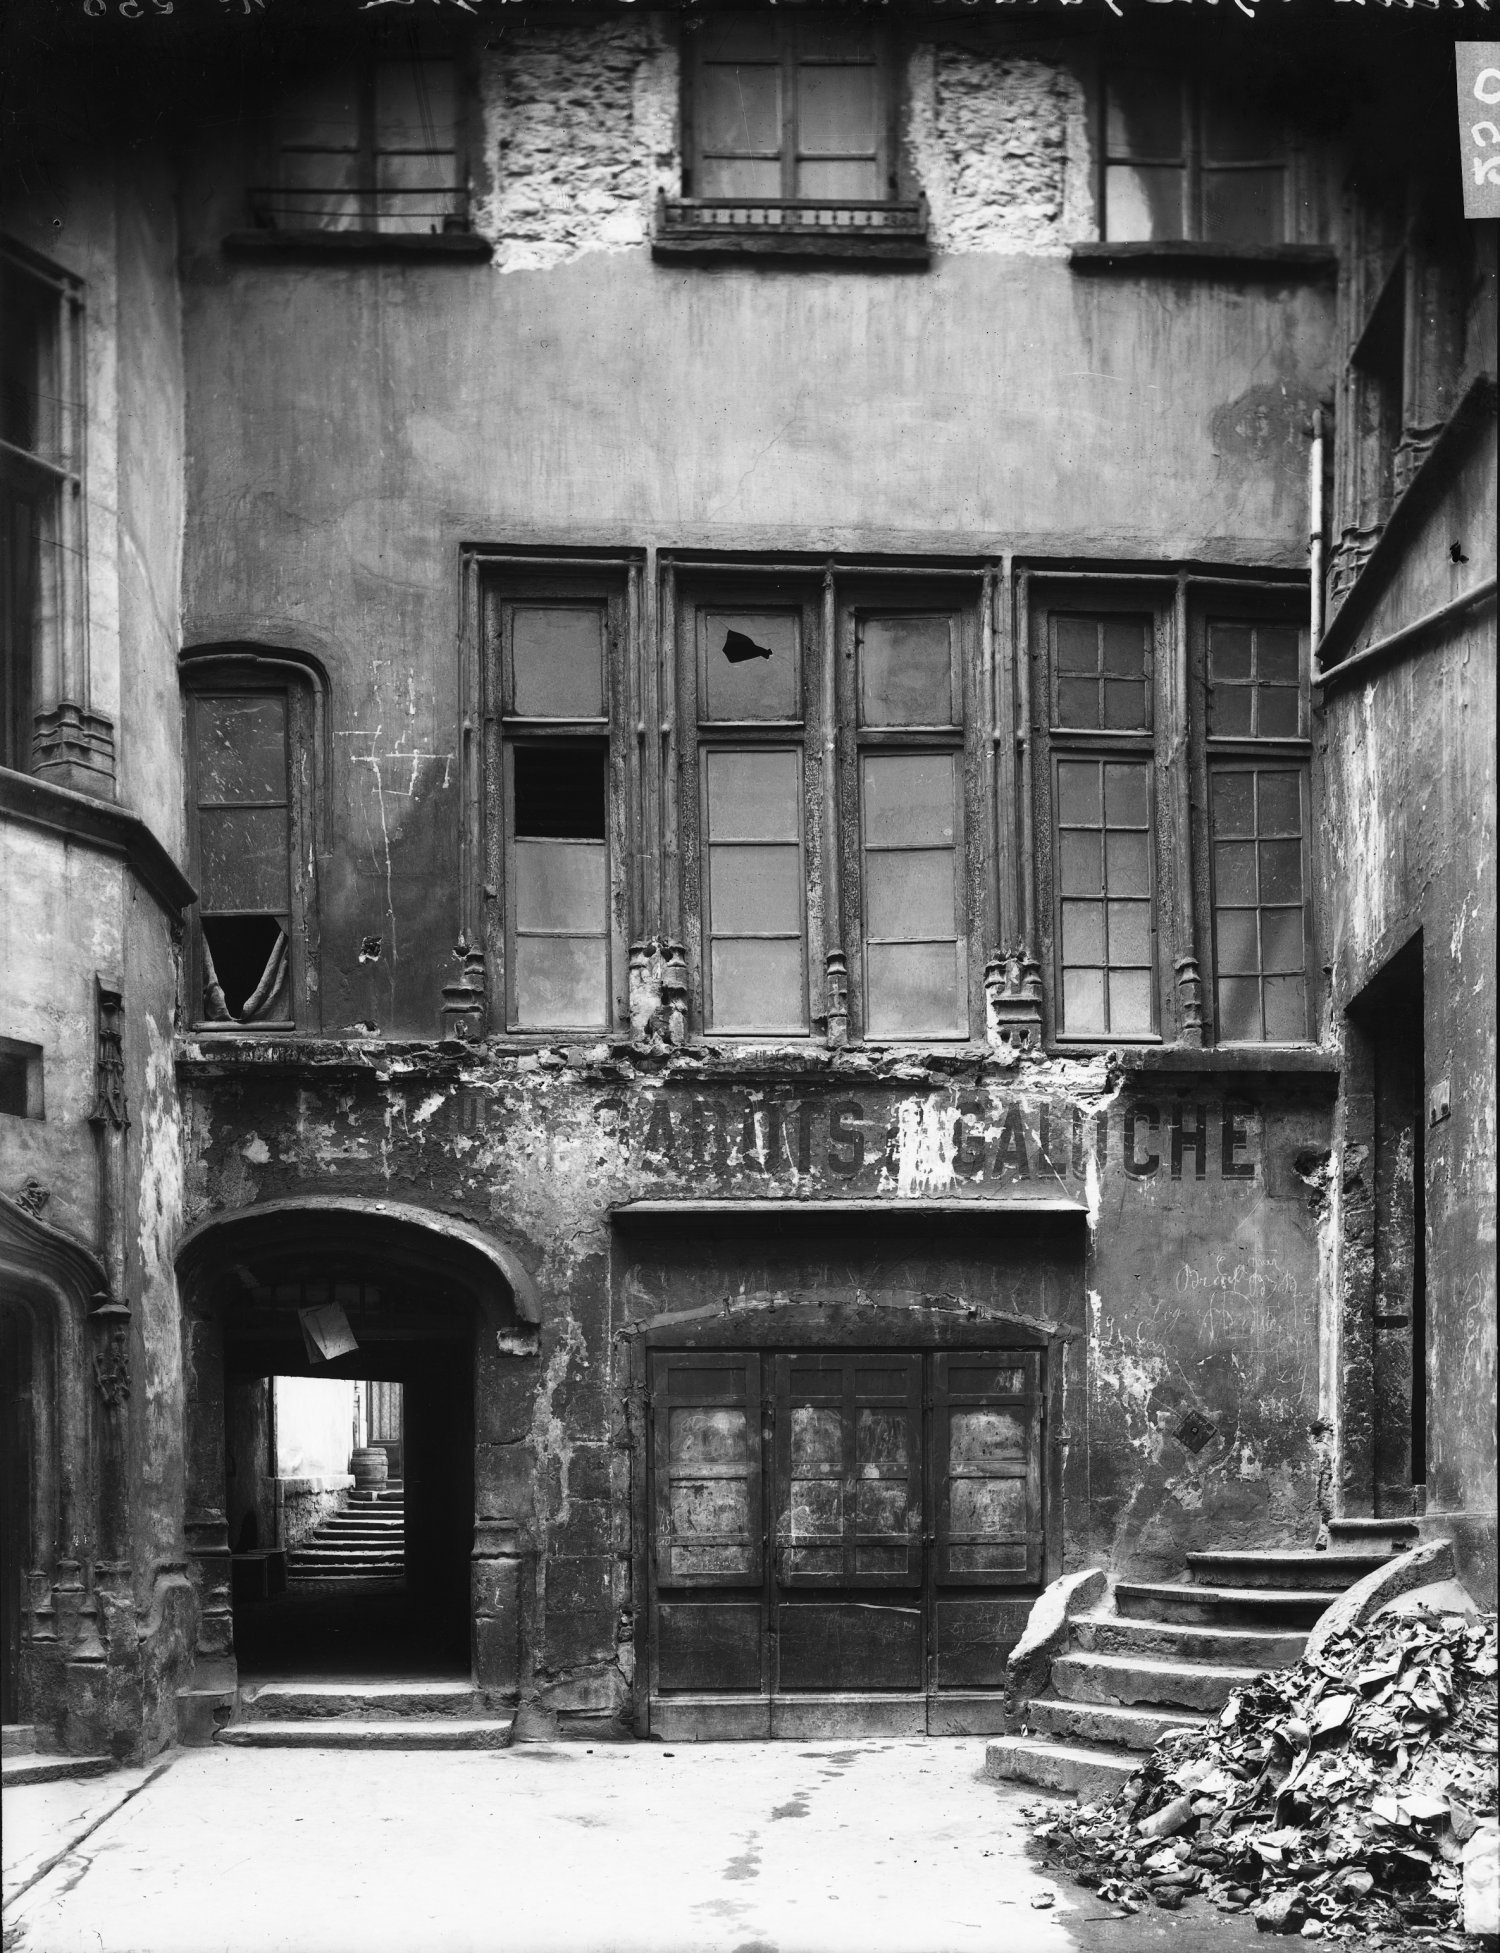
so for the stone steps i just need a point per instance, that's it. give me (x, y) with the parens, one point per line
(362, 1701)
(1168, 1655)
(1091, 1775)
(1374, 1535)
(1286, 1572)
(1112, 1634)
(19, 1767)
(1128, 1679)
(1116, 1725)
(361, 1733)
(364, 1540)
(1215, 1606)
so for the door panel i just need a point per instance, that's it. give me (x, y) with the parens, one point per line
(708, 1470)
(973, 1639)
(848, 1470)
(827, 1645)
(888, 1514)
(710, 1645)
(986, 1445)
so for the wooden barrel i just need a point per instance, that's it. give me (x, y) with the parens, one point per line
(370, 1467)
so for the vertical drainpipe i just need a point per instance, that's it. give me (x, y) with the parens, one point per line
(836, 970)
(1315, 534)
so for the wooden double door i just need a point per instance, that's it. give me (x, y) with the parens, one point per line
(841, 1538)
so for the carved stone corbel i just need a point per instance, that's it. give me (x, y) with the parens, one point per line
(1013, 1001)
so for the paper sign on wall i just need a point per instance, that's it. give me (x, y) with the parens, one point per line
(1478, 71)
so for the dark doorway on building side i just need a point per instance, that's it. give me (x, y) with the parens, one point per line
(1387, 1118)
(332, 1579)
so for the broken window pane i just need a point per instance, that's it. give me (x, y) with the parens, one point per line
(559, 791)
(1106, 950)
(557, 660)
(751, 664)
(559, 900)
(914, 964)
(754, 890)
(1260, 931)
(907, 671)
(245, 972)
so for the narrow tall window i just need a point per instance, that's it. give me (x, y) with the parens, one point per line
(1258, 770)
(910, 689)
(1183, 162)
(371, 146)
(1101, 669)
(748, 660)
(556, 646)
(41, 504)
(242, 822)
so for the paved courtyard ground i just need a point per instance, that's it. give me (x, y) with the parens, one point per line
(861, 1847)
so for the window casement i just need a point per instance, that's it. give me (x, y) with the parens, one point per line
(1098, 650)
(45, 724)
(766, 666)
(749, 655)
(790, 142)
(1252, 659)
(372, 146)
(905, 695)
(251, 728)
(1182, 159)
(555, 647)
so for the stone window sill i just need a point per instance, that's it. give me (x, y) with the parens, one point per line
(703, 229)
(1189, 257)
(336, 247)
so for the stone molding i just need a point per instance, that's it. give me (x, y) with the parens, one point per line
(99, 824)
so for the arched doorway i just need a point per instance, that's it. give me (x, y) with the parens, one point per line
(420, 1301)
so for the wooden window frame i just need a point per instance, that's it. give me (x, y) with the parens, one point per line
(267, 193)
(1251, 604)
(221, 674)
(46, 657)
(1047, 596)
(790, 32)
(769, 589)
(865, 593)
(505, 730)
(1195, 107)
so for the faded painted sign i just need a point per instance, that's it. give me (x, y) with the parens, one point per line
(947, 1142)
(1477, 67)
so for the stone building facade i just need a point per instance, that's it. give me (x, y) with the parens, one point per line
(792, 882)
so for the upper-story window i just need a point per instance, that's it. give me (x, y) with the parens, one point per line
(789, 143)
(42, 631)
(251, 740)
(1099, 789)
(369, 146)
(553, 672)
(1182, 160)
(784, 109)
(786, 857)
(1258, 762)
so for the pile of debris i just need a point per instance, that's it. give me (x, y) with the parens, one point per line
(1336, 1799)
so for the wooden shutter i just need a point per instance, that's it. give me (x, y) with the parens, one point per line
(987, 1447)
(707, 1467)
(848, 1470)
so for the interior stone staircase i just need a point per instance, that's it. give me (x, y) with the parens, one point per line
(401, 1715)
(363, 1540)
(1160, 1656)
